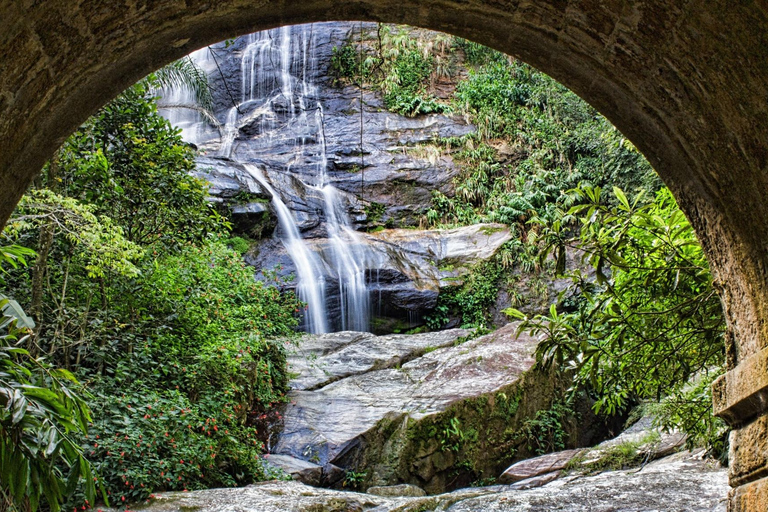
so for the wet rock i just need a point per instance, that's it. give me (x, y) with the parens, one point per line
(642, 442)
(228, 179)
(301, 470)
(406, 268)
(536, 481)
(305, 471)
(683, 482)
(397, 490)
(326, 358)
(537, 466)
(390, 169)
(253, 219)
(358, 397)
(440, 257)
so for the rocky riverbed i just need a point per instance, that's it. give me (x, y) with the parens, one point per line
(683, 482)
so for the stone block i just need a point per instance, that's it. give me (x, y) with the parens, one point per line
(742, 393)
(752, 497)
(749, 452)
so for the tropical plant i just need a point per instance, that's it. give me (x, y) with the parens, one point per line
(648, 321)
(40, 411)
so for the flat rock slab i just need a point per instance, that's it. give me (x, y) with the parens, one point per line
(323, 424)
(680, 483)
(537, 466)
(326, 358)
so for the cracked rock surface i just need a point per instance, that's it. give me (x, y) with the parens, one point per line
(683, 482)
(349, 381)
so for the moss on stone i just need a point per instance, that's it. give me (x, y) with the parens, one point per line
(472, 440)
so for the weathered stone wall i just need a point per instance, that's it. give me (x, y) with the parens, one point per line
(687, 82)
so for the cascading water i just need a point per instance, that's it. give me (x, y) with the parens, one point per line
(279, 103)
(311, 285)
(349, 253)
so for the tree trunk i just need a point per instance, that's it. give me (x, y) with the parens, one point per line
(40, 269)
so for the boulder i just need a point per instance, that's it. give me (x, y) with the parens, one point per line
(305, 471)
(299, 469)
(391, 407)
(641, 442)
(537, 466)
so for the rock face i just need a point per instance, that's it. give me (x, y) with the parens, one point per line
(679, 483)
(407, 268)
(394, 168)
(426, 409)
(388, 169)
(279, 109)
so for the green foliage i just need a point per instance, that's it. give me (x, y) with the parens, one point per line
(152, 439)
(689, 409)
(40, 411)
(14, 256)
(554, 142)
(354, 479)
(545, 432)
(207, 294)
(649, 321)
(137, 296)
(200, 377)
(96, 241)
(476, 54)
(238, 244)
(616, 457)
(345, 64)
(130, 164)
(471, 301)
(401, 66)
(374, 211)
(452, 436)
(183, 73)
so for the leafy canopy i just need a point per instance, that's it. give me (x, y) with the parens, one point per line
(130, 164)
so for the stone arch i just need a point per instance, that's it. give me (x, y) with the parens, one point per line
(687, 82)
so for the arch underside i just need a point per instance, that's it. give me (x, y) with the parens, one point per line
(686, 81)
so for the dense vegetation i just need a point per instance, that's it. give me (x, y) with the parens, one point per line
(644, 325)
(151, 359)
(155, 323)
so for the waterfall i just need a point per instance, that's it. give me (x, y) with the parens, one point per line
(228, 133)
(349, 262)
(279, 105)
(349, 254)
(311, 285)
